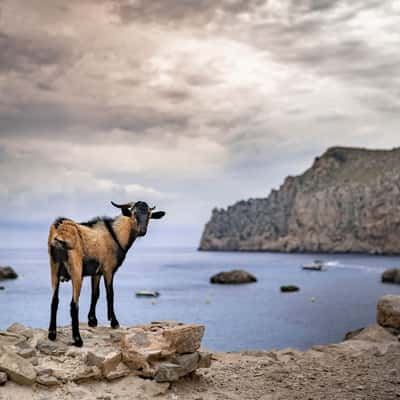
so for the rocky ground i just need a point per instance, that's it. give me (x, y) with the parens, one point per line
(365, 366)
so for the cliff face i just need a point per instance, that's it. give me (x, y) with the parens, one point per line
(348, 201)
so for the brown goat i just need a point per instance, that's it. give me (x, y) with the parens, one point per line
(95, 248)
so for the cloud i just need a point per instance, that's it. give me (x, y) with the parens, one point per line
(189, 104)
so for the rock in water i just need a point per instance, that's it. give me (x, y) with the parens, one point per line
(389, 311)
(7, 273)
(346, 202)
(289, 288)
(391, 275)
(17, 368)
(233, 277)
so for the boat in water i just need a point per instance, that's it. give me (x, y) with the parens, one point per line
(317, 265)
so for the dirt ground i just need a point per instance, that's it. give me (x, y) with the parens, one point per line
(352, 370)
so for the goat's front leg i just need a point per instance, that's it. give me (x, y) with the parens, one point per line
(76, 278)
(108, 281)
(92, 320)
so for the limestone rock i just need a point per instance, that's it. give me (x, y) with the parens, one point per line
(140, 347)
(233, 277)
(145, 349)
(7, 273)
(391, 275)
(184, 338)
(26, 352)
(372, 333)
(3, 378)
(10, 339)
(47, 380)
(348, 201)
(110, 363)
(17, 368)
(140, 351)
(84, 374)
(389, 311)
(179, 366)
(119, 371)
(51, 348)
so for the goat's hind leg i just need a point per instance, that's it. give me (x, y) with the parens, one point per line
(55, 283)
(76, 278)
(92, 320)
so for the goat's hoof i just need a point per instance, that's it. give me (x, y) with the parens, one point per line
(78, 342)
(52, 335)
(114, 324)
(92, 322)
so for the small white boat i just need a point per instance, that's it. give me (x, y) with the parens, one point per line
(317, 265)
(147, 293)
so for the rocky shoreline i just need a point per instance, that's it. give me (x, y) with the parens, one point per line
(365, 366)
(347, 202)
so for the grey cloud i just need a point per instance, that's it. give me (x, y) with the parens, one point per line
(175, 11)
(26, 54)
(48, 117)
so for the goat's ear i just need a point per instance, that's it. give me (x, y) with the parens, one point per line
(157, 214)
(126, 212)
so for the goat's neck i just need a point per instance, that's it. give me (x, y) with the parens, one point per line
(126, 231)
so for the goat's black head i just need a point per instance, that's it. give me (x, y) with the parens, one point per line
(141, 212)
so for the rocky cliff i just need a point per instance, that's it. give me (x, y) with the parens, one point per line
(348, 201)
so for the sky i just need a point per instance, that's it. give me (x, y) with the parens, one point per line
(184, 104)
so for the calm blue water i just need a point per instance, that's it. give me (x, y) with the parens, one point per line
(255, 316)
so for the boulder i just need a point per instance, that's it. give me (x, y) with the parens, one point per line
(388, 314)
(154, 350)
(233, 277)
(17, 368)
(289, 288)
(7, 273)
(372, 333)
(184, 338)
(391, 276)
(185, 363)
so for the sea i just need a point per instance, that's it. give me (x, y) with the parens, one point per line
(237, 317)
